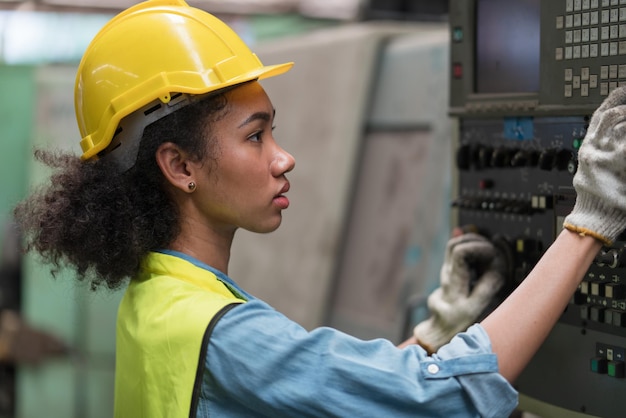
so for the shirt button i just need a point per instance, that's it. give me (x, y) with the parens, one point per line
(432, 368)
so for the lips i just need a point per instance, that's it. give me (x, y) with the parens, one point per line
(280, 199)
(285, 189)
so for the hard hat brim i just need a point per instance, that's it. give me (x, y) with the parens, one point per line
(270, 71)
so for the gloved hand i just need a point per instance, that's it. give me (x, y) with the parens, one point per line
(471, 276)
(600, 182)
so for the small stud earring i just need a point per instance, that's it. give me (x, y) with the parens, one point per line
(191, 186)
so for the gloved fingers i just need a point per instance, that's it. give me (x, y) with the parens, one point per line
(436, 300)
(467, 263)
(467, 302)
(428, 335)
(452, 311)
(472, 275)
(462, 239)
(499, 263)
(454, 247)
(605, 128)
(446, 320)
(487, 286)
(608, 116)
(617, 97)
(477, 254)
(492, 277)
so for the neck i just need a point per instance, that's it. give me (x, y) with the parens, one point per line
(209, 247)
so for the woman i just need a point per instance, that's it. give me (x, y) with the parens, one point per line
(178, 153)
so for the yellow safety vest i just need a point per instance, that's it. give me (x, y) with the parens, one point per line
(163, 322)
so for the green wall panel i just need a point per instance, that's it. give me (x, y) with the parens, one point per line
(16, 119)
(81, 384)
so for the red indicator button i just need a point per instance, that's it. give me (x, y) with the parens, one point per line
(485, 184)
(457, 70)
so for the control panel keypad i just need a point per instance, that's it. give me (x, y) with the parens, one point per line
(601, 296)
(591, 29)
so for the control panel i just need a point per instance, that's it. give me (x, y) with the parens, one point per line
(515, 185)
(526, 76)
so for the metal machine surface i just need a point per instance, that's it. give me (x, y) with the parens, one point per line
(525, 78)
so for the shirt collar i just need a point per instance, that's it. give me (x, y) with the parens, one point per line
(228, 282)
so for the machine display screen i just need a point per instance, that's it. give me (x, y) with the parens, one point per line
(507, 46)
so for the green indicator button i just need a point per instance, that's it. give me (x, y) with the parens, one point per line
(457, 34)
(598, 365)
(615, 369)
(577, 143)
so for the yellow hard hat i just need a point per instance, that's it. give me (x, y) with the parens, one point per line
(148, 51)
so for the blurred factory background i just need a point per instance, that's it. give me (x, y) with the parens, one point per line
(364, 112)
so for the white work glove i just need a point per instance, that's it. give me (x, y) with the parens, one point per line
(600, 182)
(471, 276)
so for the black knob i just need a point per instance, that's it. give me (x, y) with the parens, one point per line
(463, 157)
(501, 157)
(562, 159)
(519, 159)
(547, 159)
(572, 166)
(484, 156)
(525, 158)
(610, 258)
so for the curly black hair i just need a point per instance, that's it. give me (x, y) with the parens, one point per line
(103, 223)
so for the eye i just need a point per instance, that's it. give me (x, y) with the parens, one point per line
(256, 137)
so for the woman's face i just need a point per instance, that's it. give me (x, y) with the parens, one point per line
(245, 186)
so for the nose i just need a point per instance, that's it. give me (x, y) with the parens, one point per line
(282, 163)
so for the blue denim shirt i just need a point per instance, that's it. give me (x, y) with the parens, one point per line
(261, 364)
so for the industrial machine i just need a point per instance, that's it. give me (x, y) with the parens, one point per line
(526, 76)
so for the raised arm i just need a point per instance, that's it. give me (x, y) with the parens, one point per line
(521, 323)
(518, 327)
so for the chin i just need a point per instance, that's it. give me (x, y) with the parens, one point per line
(265, 229)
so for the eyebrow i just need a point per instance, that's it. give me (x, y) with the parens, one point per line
(258, 115)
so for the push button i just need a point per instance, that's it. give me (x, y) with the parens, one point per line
(457, 34)
(597, 289)
(578, 298)
(584, 312)
(584, 288)
(618, 318)
(599, 365)
(457, 70)
(615, 369)
(614, 291)
(596, 313)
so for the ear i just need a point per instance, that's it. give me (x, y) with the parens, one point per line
(176, 166)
